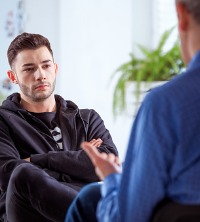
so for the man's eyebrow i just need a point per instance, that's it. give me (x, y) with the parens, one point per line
(28, 64)
(45, 61)
(32, 64)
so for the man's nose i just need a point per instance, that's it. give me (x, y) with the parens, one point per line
(40, 74)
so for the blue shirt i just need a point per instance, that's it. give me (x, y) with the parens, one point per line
(163, 156)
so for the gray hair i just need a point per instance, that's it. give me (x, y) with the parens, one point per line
(193, 7)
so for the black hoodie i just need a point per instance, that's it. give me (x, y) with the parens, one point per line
(22, 135)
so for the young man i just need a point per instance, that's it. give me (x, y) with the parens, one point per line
(42, 166)
(163, 156)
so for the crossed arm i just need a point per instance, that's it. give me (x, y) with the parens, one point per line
(93, 142)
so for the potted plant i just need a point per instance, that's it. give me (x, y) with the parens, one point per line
(155, 65)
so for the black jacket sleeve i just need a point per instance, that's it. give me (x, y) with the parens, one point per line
(9, 156)
(97, 129)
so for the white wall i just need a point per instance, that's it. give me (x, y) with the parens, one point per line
(10, 25)
(142, 16)
(164, 18)
(8, 29)
(96, 37)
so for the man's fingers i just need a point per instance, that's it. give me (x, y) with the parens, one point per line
(117, 161)
(111, 157)
(96, 142)
(91, 151)
(92, 142)
(104, 156)
(104, 163)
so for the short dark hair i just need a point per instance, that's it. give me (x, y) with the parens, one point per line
(193, 7)
(26, 41)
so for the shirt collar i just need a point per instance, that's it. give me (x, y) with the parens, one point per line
(195, 61)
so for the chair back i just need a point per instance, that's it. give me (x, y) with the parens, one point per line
(175, 212)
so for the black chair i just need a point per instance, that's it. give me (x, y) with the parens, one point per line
(174, 212)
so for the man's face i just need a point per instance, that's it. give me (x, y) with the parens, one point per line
(35, 72)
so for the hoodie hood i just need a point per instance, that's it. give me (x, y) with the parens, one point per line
(12, 103)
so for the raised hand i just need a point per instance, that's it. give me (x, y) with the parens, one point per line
(105, 164)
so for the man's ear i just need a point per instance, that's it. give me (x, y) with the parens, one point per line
(12, 76)
(183, 16)
(56, 68)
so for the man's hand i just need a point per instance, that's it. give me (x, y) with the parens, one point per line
(105, 164)
(96, 142)
(28, 159)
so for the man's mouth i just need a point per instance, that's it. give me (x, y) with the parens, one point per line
(41, 86)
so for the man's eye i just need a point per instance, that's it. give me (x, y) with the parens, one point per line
(46, 66)
(29, 69)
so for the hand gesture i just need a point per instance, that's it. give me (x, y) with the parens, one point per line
(105, 164)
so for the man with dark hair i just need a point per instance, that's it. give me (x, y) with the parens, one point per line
(42, 166)
(163, 156)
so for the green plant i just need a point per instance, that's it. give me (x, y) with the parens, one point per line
(155, 65)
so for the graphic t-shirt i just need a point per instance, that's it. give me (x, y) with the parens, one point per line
(52, 122)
